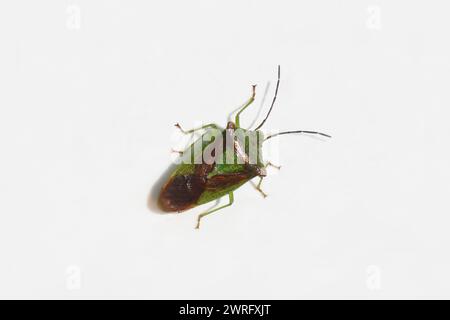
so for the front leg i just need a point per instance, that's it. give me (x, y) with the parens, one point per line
(210, 125)
(249, 102)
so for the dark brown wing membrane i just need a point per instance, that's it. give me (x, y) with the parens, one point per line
(181, 192)
(222, 181)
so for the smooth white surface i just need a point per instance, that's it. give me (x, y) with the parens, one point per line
(90, 91)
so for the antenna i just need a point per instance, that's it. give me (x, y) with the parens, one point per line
(297, 131)
(273, 101)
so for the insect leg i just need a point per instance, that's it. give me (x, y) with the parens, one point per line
(249, 102)
(200, 216)
(210, 125)
(258, 187)
(177, 151)
(272, 165)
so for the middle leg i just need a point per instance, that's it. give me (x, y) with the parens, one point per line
(258, 186)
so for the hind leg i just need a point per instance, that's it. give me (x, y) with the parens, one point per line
(200, 216)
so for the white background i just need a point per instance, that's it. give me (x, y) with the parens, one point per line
(89, 93)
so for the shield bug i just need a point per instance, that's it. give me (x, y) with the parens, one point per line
(218, 163)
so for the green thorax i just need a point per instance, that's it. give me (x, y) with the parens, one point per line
(248, 142)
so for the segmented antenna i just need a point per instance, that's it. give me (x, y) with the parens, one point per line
(297, 131)
(273, 101)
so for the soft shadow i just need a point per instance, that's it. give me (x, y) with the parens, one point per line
(152, 199)
(216, 203)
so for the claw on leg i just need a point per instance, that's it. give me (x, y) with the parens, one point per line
(198, 222)
(262, 192)
(253, 90)
(177, 151)
(272, 165)
(179, 127)
(210, 125)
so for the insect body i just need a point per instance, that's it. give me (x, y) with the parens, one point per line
(219, 162)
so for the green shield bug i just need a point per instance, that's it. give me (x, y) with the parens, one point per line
(218, 163)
